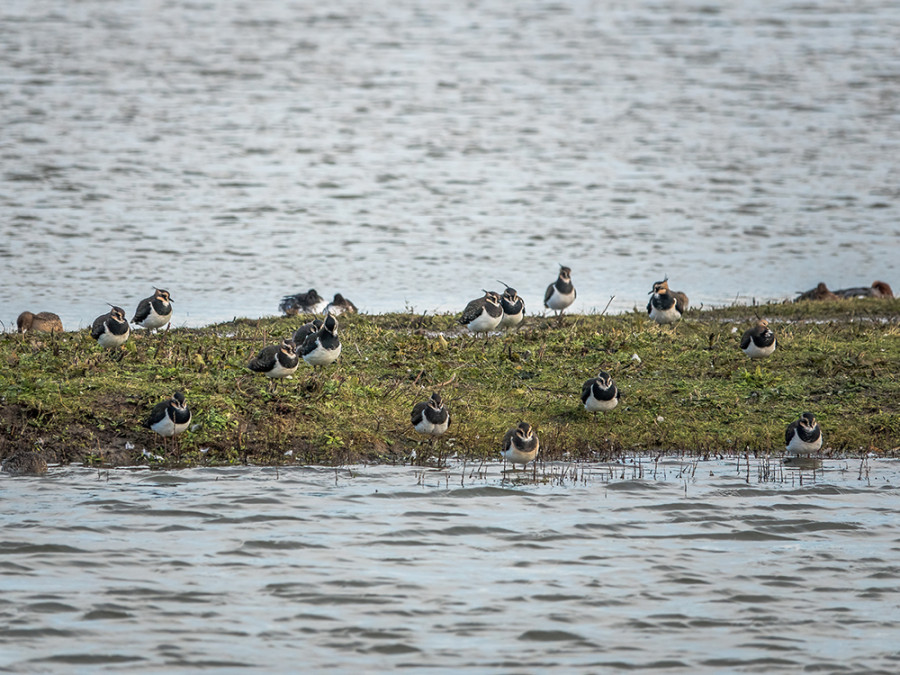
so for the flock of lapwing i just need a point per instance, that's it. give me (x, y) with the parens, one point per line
(520, 444)
(317, 343)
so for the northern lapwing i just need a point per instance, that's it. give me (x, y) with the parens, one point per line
(302, 303)
(154, 312)
(276, 361)
(758, 342)
(820, 292)
(306, 330)
(513, 309)
(666, 306)
(431, 417)
(561, 293)
(323, 346)
(169, 418)
(111, 329)
(803, 436)
(42, 322)
(520, 444)
(340, 305)
(600, 393)
(878, 289)
(482, 315)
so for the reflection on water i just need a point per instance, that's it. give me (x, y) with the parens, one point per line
(677, 567)
(412, 153)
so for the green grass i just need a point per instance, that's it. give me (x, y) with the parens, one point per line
(691, 391)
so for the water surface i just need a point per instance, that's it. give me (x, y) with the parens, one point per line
(409, 154)
(673, 567)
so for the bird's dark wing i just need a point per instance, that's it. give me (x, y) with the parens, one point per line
(789, 432)
(586, 390)
(157, 414)
(97, 326)
(472, 311)
(264, 361)
(746, 338)
(309, 344)
(508, 438)
(548, 293)
(142, 311)
(417, 412)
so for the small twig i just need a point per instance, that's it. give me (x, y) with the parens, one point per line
(611, 298)
(443, 384)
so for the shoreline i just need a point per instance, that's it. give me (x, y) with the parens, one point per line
(691, 392)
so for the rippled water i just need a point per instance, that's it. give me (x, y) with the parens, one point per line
(669, 567)
(412, 153)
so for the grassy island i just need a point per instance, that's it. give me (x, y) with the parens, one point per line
(688, 390)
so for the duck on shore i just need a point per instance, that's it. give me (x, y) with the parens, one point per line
(878, 289)
(820, 292)
(42, 322)
(302, 303)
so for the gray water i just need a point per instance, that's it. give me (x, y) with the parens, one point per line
(676, 567)
(409, 154)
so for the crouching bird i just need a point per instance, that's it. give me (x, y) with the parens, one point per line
(276, 361)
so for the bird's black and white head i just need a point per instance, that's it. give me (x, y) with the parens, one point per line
(524, 431)
(117, 313)
(565, 273)
(604, 379)
(492, 297)
(435, 402)
(808, 421)
(330, 325)
(163, 295)
(510, 294)
(762, 325)
(659, 286)
(177, 401)
(288, 347)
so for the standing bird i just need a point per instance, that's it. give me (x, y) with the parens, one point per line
(323, 346)
(561, 293)
(513, 309)
(520, 444)
(306, 330)
(803, 436)
(169, 418)
(155, 311)
(42, 322)
(758, 342)
(666, 306)
(482, 315)
(276, 361)
(111, 329)
(431, 417)
(600, 393)
(302, 303)
(340, 305)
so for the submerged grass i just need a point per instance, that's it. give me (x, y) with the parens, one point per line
(690, 390)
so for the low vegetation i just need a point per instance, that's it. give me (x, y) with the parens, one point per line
(688, 390)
